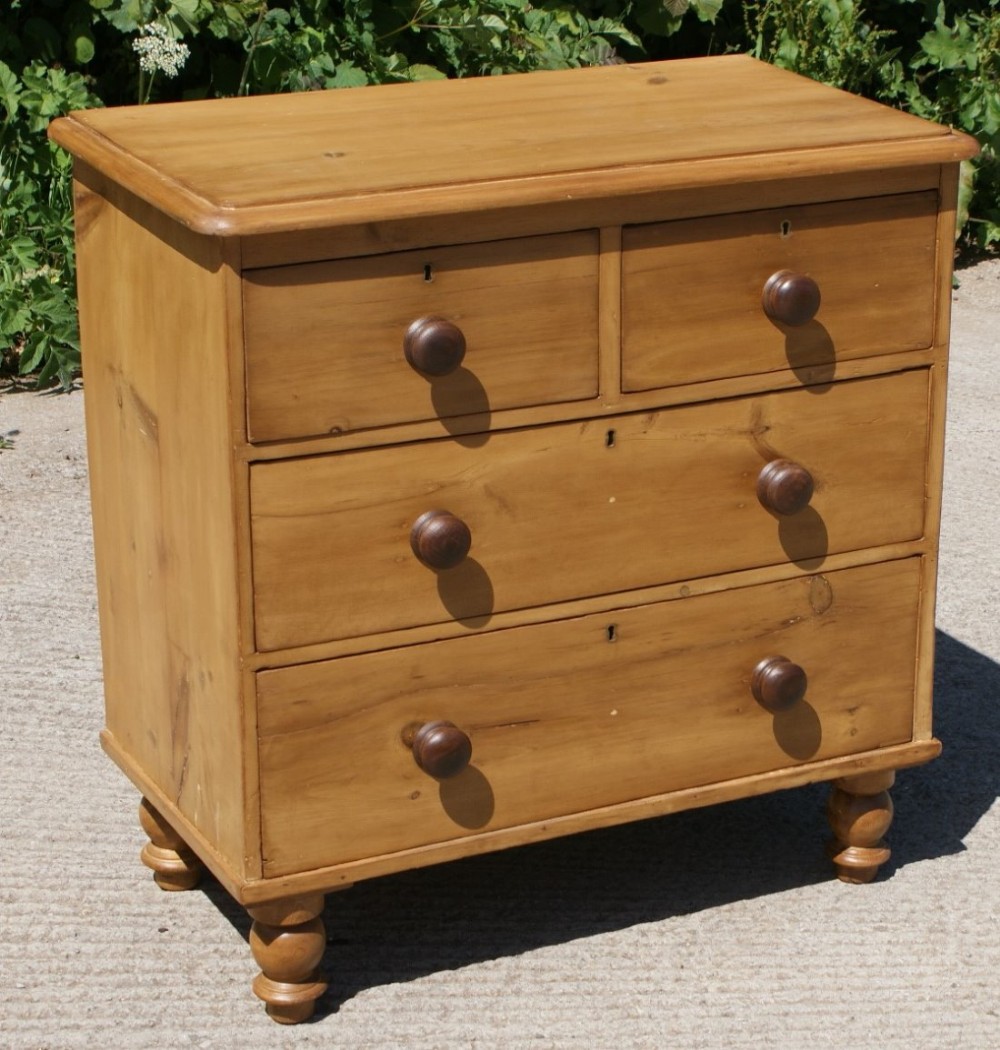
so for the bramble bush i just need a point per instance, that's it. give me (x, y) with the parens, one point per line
(940, 60)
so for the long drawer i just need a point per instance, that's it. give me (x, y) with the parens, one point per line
(692, 290)
(584, 508)
(326, 342)
(573, 715)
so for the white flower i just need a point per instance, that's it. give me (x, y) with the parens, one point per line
(158, 51)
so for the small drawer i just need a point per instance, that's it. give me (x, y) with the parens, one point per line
(601, 710)
(328, 350)
(570, 510)
(692, 294)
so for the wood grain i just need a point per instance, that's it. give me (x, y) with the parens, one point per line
(156, 395)
(392, 152)
(335, 877)
(555, 513)
(701, 281)
(936, 410)
(175, 867)
(860, 811)
(470, 426)
(288, 940)
(595, 653)
(585, 722)
(500, 621)
(610, 315)
(331, 240)
(321, 338)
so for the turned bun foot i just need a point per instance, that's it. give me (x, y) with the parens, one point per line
(288, 940)
(174, 865)
(860, 812)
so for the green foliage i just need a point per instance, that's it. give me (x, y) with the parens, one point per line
(665, 17)
(57, 55)
(956, 81)
(37, 300)
(305, 46)
(944, 66)
(827, 40)
(940, 60)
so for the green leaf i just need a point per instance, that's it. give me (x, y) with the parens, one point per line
(565, 18)
(82, 47)
(10, 88)
(707, 10)
(48, 370)
(23, 249)
(347, 76)
(493, 22)
(188, 9)
(31, 356)
(184, 17)
(14, 319)
(420, 71)
(655, 19)
(227, 22)
(128, 17)
(608, 27)
(949, 48)
(277, 16)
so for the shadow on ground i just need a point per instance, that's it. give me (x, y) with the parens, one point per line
(406, 926)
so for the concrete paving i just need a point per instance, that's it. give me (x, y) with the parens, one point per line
(717, 928)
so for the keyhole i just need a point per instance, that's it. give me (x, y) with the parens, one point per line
(609, 439)
(428, 272)
(786, 228)
(612, 632)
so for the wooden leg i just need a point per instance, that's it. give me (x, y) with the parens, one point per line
(287, 939)
(860, 812)
(174, 866)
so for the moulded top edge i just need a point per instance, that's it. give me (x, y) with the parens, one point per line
(284, 162)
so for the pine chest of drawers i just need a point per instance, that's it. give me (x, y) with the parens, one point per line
(478, 462)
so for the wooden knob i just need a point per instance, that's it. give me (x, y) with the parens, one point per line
(777, 683)
(439, 539)
(441, 749)
(784, 486)
(790, 298)
(434, 346)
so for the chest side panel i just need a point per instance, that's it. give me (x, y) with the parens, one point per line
(154, 330)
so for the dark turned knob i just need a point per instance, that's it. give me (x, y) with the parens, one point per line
(777, 683)
(434, 346)
(790, 298)
(784, 487)
(440, 749)
(439, 539)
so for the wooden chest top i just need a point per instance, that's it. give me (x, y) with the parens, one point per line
(283, 162)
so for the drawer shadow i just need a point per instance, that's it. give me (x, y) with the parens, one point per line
(461, 394)
(403, 927)
(811, 355)
(804, 538)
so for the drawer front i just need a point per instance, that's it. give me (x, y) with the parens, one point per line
(576, 509)
(324, 341)
(691, 296)
(563, 720)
